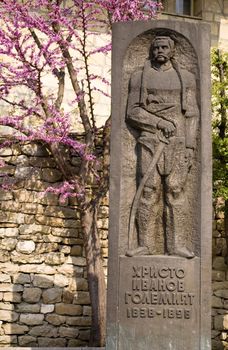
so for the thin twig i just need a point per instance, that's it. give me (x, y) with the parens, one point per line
(85, 56)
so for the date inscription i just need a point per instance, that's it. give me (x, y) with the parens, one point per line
(143, 312)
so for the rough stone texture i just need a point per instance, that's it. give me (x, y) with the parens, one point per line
(22, 171)
(84, 335)
(51, 342)
(70, 270)
(51, 175)
(60, 212)
(78, 284)
(87, 311)
(68, 309)
(61, 280)
(33, 229)
(219, 286)
(216, 302)
(19, 271)
(46, 247)
(32, 319)
(222, 293)
(6, 287)
(214, 13)
(219, 263)
(32, 295)
(82, 298)
(44, 331)
(13, 297)
(8, 316)
(221, 322)
(1, 331)
(7, 339)
(76, 250)
(56, 320)
(6, 306)
(26, 247)
(4, 278)
(52, 295)
(225, 305)
(10, 328)
(26, 341)
(77, 343)
(47, 308)
(156, 215)
(43, 281)
(41, 268)
(68, 332)
(8, 243)
(26, 258)
(68, 296)
(21, 278)
(218, 276)
(55, 259)
(78, 321)
(27, 308)
(79, 261)
(8, 232)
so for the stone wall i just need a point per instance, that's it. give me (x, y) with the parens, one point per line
(44, 298)
(214, 12)
(219, 286)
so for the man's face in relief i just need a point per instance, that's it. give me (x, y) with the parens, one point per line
(161, 50)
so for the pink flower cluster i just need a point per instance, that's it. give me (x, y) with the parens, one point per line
(65, 190)
(130, 10)
(43, 37)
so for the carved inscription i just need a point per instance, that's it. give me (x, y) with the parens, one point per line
(158, 292)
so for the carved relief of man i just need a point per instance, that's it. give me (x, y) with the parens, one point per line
(162, 107)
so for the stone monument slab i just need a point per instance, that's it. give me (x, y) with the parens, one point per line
(160, 195)
(158, 303)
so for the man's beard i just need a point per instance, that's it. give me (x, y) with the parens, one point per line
(162, 58)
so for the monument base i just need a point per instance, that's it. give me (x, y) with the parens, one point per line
(159, 303)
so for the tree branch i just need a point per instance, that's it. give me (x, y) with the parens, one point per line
(60, 74)
(61, 86)
(85, 56)
(79, 93)
(103, 186)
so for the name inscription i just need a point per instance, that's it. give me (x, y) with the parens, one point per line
(158, 292)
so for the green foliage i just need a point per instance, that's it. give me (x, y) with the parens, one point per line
(220, 123)
(220, 166)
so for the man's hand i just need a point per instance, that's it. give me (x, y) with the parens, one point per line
(168, 128)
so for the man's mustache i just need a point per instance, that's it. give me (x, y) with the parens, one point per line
(162, 55)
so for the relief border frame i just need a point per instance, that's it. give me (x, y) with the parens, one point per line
(199, 36)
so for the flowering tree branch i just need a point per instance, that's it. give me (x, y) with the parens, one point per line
(46, 40)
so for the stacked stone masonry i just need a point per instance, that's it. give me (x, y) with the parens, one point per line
(219, 285)
(44, 298)
(214, 12)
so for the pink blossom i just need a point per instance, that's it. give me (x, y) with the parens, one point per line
(43, 37)
(66, 189)
(2, 163)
